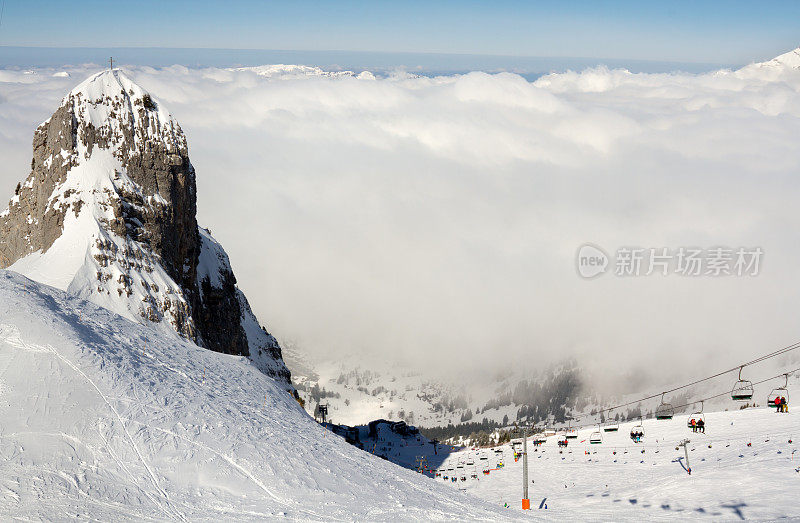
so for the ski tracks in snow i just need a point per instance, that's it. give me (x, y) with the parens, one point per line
(248, 474)
(11, 336)
(166, 507)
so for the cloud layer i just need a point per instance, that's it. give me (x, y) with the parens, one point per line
(437, 219)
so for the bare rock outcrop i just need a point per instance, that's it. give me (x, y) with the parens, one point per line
(111, 176)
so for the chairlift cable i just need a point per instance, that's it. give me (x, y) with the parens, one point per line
(728, 392)
(778, 352)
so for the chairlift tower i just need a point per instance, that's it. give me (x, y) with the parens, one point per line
(526, 502)
(685, 444)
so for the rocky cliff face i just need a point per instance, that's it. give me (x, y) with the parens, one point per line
(108, 213)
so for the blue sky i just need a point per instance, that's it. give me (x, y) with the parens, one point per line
(730, 32)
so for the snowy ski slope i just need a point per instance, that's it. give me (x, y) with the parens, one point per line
(102, 418)
(743, 467)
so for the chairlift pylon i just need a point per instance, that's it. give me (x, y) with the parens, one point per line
(664, 409)
(742, 389)
(779, 392)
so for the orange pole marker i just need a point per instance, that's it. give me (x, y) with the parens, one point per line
(526, 504)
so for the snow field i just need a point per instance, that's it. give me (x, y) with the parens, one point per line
(743, 466)
(103, 418)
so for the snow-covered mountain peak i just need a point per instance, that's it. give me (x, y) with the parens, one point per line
(108, 82)
(291, 71)
(108, 213)
(113, 111)
(790, 60)
(779, 68)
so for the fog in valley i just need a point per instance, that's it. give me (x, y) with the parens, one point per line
(435, 221)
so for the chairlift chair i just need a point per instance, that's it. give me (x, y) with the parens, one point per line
(696, 416)
(596, 437)
(779, 392)
(742, 389)
(664, 409)
(637, 429)
(571, 433)
(611, 426)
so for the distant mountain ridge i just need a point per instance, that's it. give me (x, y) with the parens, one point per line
(292, 71)
(788, 60)
(358, 391)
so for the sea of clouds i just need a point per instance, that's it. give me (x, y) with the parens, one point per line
(437, 220)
